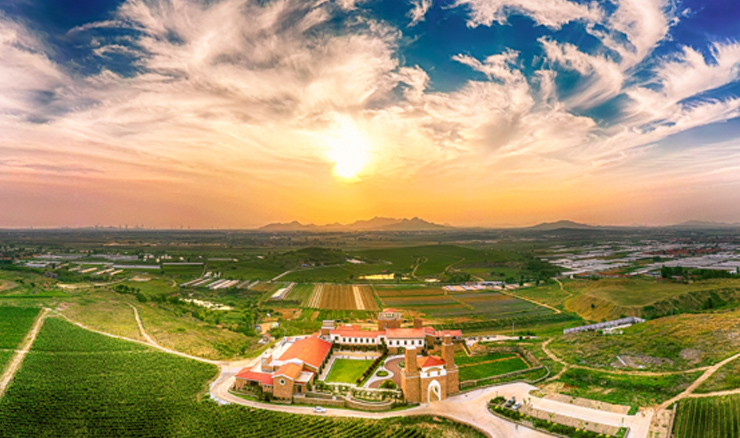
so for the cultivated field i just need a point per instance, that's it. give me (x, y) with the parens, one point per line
(712, 417)
(437, 303)
(341, 297)
(105, 387)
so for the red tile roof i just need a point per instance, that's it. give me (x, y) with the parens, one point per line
(289, 370)
(453, 333)
(430, 361)
(248, 374)
(405, 333)
(312, 351)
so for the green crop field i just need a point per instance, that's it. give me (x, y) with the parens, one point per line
(481, 371)
(347, 370)
(15, 322)
(711, 417)
(81, 384)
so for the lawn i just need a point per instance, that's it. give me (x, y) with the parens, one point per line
(481, 371)
(347, 370)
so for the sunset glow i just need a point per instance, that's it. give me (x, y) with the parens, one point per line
(235, 113)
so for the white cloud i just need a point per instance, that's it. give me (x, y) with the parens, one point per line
(550, 13)
(603, 77)
(419, 9)
(636, 28)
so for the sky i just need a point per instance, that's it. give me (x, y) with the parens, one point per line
(236, 113)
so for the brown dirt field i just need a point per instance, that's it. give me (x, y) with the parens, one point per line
(368, 298)
(338, 297)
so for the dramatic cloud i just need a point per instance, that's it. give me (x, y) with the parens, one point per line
(550, 13)
(317, 109)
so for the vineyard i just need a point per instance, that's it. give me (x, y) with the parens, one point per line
(15, 322)
(711, 417)
(82, 384)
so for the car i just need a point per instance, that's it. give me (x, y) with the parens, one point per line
(517, 406)
(319, 410)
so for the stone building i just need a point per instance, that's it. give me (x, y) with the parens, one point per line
(427, 379)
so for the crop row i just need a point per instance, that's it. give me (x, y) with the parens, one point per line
(15, 322)
(504, 322)
(715, 417)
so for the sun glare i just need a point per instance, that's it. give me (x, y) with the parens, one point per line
(348, 150)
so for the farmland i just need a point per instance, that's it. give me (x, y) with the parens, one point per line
(14, 324)
(711, 417)
(342, 297)
(105, 387)
(437, 303)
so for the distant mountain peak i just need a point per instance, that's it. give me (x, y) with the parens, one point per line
(561, 224)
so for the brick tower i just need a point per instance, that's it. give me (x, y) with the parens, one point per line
(453, 374)
(411, 378)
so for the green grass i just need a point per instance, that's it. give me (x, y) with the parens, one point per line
(686, 341)
(626, 390)
(15, 322)
(482, 371)
(347, 370)
(711, 417)
(725, 378)
(105, 387)
(463, 359)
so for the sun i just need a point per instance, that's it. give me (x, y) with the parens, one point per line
(348, 150)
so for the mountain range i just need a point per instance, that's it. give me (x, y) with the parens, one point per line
(418, 224)
(374, 224)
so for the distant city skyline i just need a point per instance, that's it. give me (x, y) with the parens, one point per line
(491, 113)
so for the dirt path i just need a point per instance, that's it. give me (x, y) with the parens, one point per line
(519, 297)
(707, 374)
(157, 346)
(143, 332)
(552, 356)
(562, 288)
(17, 360)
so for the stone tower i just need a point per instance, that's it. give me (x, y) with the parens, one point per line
(453, 374)
(411, 378)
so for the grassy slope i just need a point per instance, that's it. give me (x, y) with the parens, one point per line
(689, 341)
(104, 387)
(107, 312)
(622, 389)
(613, 298)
